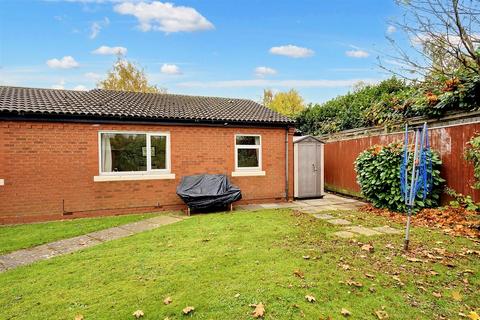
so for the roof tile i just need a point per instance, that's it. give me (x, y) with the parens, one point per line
(100, 103)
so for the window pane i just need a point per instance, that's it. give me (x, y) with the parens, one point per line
(159, 155)
(248, 140)
(123, 152)
(247, 158)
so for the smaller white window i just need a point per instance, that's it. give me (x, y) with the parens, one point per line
(248, 153)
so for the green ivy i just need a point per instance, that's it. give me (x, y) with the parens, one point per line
(378, 174)
(472, 154)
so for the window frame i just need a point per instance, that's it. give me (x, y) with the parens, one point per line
(149, 170)
(248, 146)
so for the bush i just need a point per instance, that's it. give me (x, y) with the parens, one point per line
(472, 154)
(378, 173)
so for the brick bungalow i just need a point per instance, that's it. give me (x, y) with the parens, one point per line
(66, 154)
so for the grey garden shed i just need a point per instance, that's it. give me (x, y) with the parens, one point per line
(308, 167)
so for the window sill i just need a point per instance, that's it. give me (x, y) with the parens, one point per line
(133, 177)
(2, 182)
(248, 173)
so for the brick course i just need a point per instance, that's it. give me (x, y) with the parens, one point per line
(49, 168)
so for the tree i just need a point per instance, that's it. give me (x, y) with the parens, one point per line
(443, 37)
(126, 76)
(287, 103)
(267, 97)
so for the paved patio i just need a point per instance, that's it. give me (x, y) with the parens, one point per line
(328, 202)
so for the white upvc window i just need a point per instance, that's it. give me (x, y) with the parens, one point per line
(129, 155)
(248, 155)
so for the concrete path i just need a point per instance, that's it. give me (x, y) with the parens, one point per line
(28, 256)
(328, 202)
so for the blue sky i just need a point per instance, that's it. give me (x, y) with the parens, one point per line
(201, 47)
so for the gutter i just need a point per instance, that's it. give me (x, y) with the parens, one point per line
(7, 116)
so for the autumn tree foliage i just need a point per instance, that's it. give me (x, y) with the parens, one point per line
(288, 103)
(127, 76)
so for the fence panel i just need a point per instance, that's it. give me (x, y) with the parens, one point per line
(446, 138)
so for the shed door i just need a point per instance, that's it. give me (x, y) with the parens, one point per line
(309, 171)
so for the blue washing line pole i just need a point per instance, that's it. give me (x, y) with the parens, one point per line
(420, 175)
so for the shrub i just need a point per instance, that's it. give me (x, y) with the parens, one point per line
(472, 154)
(378, 173)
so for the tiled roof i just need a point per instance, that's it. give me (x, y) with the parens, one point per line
(108, 104)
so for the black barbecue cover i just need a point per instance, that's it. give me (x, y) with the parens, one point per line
(207, 190)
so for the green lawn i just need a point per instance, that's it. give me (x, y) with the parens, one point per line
(28, 235)
(221, 263)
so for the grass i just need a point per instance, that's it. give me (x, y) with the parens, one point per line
(28, 235)
(221, 263)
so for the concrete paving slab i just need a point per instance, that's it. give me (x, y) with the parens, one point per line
(324, 216)
(110, 234)
(364, 231)
(344, 234)
(248, 207)
(311, 209)
(73, 244)
(387, 230)
(270, 205)
(339, 222)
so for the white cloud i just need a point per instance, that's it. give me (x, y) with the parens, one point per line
(96, 26)
(292, 51)
(67, 62)
(391, 29)
(59, 86)
(262, 83)
(357, 53)
(92, 76)
(106, 50)
(170, 69)
(165, 17)
(80, 87)
(264, 71)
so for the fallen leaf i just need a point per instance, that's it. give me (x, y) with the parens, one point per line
(381, 314)
(434, 273)
(345, 266)
(299, 274)
(188, 310)
(411, 259)
(369, 275)
(354, 283)
(345, 312)
(473, 315)
(437, 294)
(237, 295)
(138, 314)
(259, 310)
(310, 298)
(79, 317)
(167, 300)
(368, 247)
(306, 257)
(468, 271)
(389, 246)
(456, 296)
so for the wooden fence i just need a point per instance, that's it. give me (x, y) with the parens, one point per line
(448, 136)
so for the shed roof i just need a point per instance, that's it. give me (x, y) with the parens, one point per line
(108, 104)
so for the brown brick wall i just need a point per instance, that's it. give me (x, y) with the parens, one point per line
(46, 165)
